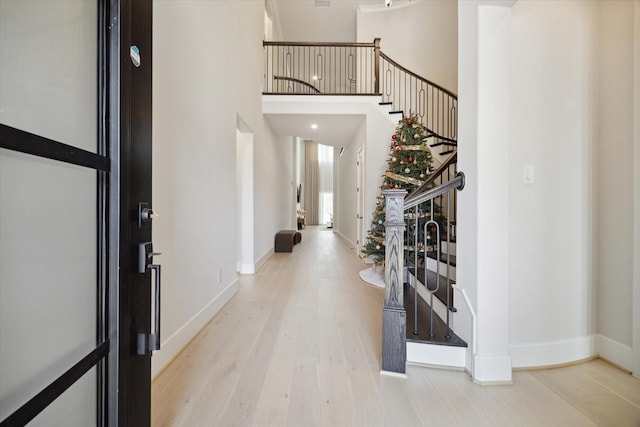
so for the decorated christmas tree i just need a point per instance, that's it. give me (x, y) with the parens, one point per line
(409, 165)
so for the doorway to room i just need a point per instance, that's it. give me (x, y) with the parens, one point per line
(317, 201)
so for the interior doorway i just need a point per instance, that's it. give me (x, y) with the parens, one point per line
(318, 189)
(359, 200)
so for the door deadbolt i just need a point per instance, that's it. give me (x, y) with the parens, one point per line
(145, 213)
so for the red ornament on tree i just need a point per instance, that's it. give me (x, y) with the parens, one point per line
(398, 148)
(409, 122)
(410, 159)
(394, 136)
(391, 185)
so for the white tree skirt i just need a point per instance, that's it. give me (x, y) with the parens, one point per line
(373, 276)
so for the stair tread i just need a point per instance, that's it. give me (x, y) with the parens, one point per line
(424, 326)
(440, 143)
(385, 103)
(447, 152)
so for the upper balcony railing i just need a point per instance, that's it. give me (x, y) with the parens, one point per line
(321, 68)
(295, 68)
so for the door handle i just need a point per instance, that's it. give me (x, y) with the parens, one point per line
(154, 342)
(147, 343)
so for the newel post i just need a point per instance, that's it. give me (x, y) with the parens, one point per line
(376, 66)
(394, 318)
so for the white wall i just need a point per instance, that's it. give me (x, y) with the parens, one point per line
(201, 85)
(613, 173)
(422, 37)
(552, 116)
(275, 189)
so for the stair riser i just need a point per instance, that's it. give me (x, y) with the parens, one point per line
(445, 248)
(443, 356)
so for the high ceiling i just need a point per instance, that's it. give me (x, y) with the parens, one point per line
(302, 20)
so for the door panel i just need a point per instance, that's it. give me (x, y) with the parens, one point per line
(75, 161)
(48, 63)
(76, 407)
(48, 270)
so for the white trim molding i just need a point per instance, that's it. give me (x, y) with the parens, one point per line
(614, 352)
(552, 353)
(492, 370)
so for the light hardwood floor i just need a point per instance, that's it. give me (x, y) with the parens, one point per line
(299, 345)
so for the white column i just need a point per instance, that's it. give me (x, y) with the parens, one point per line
(483, 205)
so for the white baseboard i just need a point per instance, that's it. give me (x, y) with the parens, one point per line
(253, 268)
(393, 374)
(614, 352)
(173, 345)
(552, 353)
(246, 268)
(351, 244)
(492, 370)
(263, 260)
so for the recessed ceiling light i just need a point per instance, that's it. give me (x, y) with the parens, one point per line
(314, 126)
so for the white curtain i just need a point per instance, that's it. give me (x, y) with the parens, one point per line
(311, 182)
(318, 184)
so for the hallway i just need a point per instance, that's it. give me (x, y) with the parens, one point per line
(299, 345)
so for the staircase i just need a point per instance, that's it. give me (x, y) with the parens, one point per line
(419, 306)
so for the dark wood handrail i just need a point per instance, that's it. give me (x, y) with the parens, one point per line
(312, 44)
(302, 82)
(457, 182)
(453, 158)
(411, 73)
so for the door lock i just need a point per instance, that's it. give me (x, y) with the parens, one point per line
(145, 213)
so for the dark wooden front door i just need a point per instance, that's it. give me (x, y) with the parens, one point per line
(136, 332)
(75, 176)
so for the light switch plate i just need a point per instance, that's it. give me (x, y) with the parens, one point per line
(528, 176)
